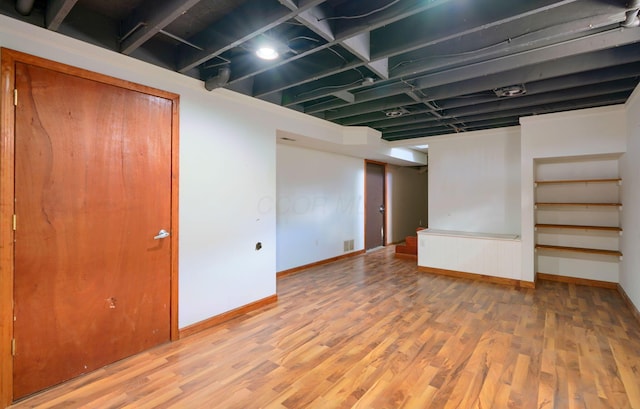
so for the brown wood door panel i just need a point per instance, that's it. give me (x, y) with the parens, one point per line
(92, 188)
(374, 199)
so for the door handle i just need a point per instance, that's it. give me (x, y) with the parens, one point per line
(162, 234)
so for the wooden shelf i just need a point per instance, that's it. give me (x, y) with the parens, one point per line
(577, 227)
(551, 182)
(565, 204)
(579, 250)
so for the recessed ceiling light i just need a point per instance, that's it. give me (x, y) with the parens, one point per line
(510, 91)
(396, 112)
(267, 53)
(425, 146)
(367, 81)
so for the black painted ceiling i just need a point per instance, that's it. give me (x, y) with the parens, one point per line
(409, 68)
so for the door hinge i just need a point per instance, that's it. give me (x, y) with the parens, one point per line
(15, 97)
(13, 347)
(15, 222)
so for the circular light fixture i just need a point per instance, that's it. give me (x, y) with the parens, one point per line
(267, 53)
(510, 91)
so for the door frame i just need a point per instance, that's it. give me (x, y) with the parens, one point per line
(384, 201)
(8, 60)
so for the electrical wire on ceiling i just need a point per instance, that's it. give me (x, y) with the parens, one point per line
(451, 55)
(360, 15)
(413, 88)
(338, 54)
(329, 87)
(475, 95)
(212, 65)
(302, 38)
(302, 45)
(434, 109)
(358, 81)
(463, 53)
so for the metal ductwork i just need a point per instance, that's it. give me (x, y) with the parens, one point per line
(632, 19)
(219, 80)
(25, 7)
(632, 16)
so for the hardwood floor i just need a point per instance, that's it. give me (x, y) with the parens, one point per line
(373, 332)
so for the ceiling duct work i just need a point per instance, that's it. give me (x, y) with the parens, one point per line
(632, 19)
(24, 7)
(219, 80)
(632, 15)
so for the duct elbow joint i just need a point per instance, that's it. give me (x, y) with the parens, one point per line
(632, 19)
(219, 80)
(25, 7)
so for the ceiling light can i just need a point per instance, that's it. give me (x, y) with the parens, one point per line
(267, 53)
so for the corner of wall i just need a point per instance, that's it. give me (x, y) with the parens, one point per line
(630, 240)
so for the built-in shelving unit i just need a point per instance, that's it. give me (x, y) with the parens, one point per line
(577, 219)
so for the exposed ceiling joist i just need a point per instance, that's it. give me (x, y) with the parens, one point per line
(149, 19)
(57, 11)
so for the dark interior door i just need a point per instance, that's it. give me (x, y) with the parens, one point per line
(374, 205)
(92, 188)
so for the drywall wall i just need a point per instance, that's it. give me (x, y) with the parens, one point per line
(406, 201)
(597, 131)
(630, 172)
(474, 182)
(320, 205)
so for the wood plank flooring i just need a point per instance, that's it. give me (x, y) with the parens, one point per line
(373, 332)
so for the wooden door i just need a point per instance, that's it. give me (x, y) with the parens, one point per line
(374, 205)
(92, 189)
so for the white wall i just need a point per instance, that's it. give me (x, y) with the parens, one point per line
(474, 182)
(226, 168)
(320, 204)
(630, 172)
(406, 202)
(597, 131)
